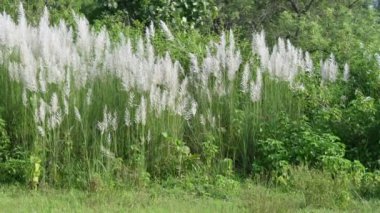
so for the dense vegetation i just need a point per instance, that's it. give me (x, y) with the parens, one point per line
(197, 94)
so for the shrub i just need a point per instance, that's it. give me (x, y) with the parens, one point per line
(181, 14)
(295, 143)
(12, 169)
(370, 185)
(5, 143)
(320, 189)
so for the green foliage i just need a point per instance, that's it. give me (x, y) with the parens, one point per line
(59, 9)
(355, 122)
(181, 14)
(13, 168)
(370, 185)
(320, 189)
(5, 143)
(175, 157)
(294, 143)
(35, 172)
(209, 151)
(272, 156)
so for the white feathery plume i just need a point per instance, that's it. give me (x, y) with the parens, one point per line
(36, 115)
(41, 131)
(245, 78)
(108, 139)
(113, 121)
(220, 88)
(346, 72)
(89, 96)
(54, 120)
(255, 92)
(150, 55)
(44, 35)
(329, 69)
(22, 23)
(151, 29)
(65, 106)
(14, 71)
(149, 136)
(143, 109)
(100, 44)
(41, 79)
(67, 88)
(167, 32)
(260, 48)
(103, 125)
(212, 121)
(180, 109)
(138, 116)
(131, 100)
(29, 68)
(55, 117)
(256, 87)
(42, 112)
(221, 51)
(24, 98)
(106, 152)
(308, 63)
(153, 96)
(202, 120)
(194, 63)
(78, 117)
(147, 34)
(164, 100)
(377, 56)
(333, 68)
(300, 87)
(233, 58)
(54, 103)
(127, 118)
(259, 77)
(171, 101)
(194, 106)
(84, 38)
(183, 88)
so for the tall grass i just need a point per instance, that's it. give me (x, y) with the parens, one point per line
(85, 104)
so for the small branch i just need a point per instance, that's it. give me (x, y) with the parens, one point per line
(295, 6)
(308, 6)
(353, 4)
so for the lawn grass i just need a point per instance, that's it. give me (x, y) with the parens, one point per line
(252, 198)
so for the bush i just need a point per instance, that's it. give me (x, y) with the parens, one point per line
(15, 170)
(182, 14)
(11, 169)
(295, 143)
(370, 185)
(5, 143)
(320, 189)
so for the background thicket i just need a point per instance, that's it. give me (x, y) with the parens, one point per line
(192, 93)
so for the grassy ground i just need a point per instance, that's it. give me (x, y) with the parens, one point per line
(157, 199)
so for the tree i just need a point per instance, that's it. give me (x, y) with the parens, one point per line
(180, 13)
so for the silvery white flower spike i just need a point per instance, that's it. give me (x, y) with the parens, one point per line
(78, 117)
(166, 30)
(346, 72)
